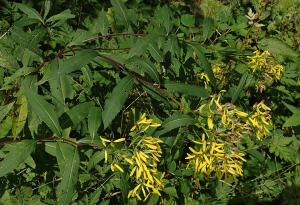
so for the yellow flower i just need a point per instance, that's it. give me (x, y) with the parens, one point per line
(114, 165)
(210, 122)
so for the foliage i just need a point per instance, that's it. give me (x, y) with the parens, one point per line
(149, 102)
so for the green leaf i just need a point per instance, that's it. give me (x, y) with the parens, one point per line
(70, 176)
(20, 115)
(7, 60)
(176, 120)
(117, 99)
(141, 45)
(61, 88)
(18, 73)
(4, 110)
(155, 93)
(31, 12)
(47, 8)
(34, 38)
(60, 16)
(171, 167)
(208, 28)
(122, 12)
(97, 157)
(87, 73)
(240, 87)
(101, 24)
(44, 110)
(94, 121)
(76, 62)
(187, 89)
(75, 115)
(155, 52)
(146, 65)
(278, 145)
(188, 20)
(124, 185)
(171, 191)
(292, 121)
(20, 152)
(292, 108)
(206, 65)
(276, 46)
(185, 186)
(257, 155)
(166, 16)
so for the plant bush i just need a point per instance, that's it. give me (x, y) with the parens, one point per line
(149, 102)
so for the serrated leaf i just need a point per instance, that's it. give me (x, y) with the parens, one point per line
(4, 110)
(206, 65)
(25, 22)
(61, 16)
(75, 115)
(141, 45)
(44, 110)
(34, 38)
(100, 24)
(187, 89)
(176, 120)
(5, 126)
(20, 152)
(257, 155)
(276, 46)
(47, 8)
(171, 191)
(87, 73)
(122, 12)
(208, 28)
(146, 65)
(94, 121)
(18, 73)
(124, 185)
(155, 52)
(166, 16)
(278, 146)
(74, 63)
(31, 12)
(20, 115)
(7, 60)
(292, 121)
(188, 20)
(70, 175)
(240, 87)
(117, 99)
(95, 196)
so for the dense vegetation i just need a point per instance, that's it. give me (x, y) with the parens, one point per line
(149, 102)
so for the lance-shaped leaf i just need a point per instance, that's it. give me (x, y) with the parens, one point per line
(75, 115)
(100, 24)
(117, 99)
(187, 89)
(166, 16)
(47, 8)
(88, 76)
(122, 12)
(276, 46)
(97, 157)
(76, 62)
(292, 121)
(240, 87)
(156, 93)
(7, 60)
(69, 172)
(16, 156)
(146, 65)
(176, 120)
(44, 110)
(206, 65)
(155, 52)
(20, 115)
(4, 110)
(31, 12)
(35, 37)
(94, 121)
(124, 185)
(208, 28)
(292, 108)
(60, 16)
(141, 45)
(18, 73)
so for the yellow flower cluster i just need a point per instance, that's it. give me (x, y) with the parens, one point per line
(146, 154)
(212, 158)
(218, 70)
(234, 124)
(266, 69)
